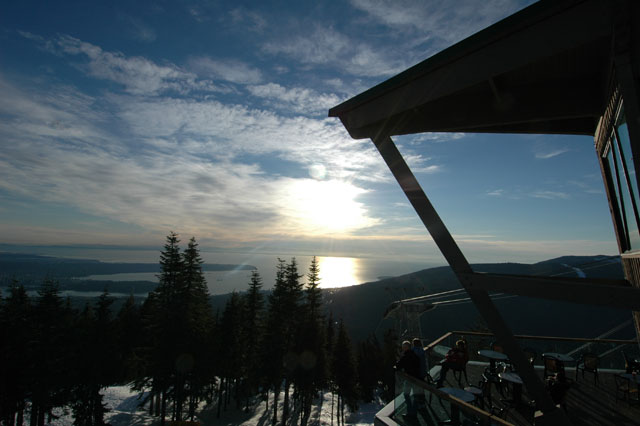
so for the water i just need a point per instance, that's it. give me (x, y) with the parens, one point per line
(334, 271)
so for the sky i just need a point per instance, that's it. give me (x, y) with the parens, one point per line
(121, 121)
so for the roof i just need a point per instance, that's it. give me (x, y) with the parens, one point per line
(545, 69)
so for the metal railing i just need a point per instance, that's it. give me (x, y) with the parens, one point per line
(432, 406)
(609, 351)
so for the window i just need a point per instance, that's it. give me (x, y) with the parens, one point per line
(622, 182)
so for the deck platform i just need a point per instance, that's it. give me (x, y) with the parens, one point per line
(586, 402)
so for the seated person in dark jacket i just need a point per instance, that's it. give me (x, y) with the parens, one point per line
(455, 359)
(410, 364)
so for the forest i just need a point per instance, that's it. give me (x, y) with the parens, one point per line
(180, 353)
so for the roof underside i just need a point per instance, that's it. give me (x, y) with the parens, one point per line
(545, 69)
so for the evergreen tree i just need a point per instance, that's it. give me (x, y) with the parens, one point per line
(231, 345)
(370, 367)
(164, 325)
(344, 370)
(292, 305)
(17, 334)
(275, 335)
(252, 333)
(311, 375)
(389, 355)
(97, 362)
(52, 359)
(195, 320)
(129, 330)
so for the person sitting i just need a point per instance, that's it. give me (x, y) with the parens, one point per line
(455, 359)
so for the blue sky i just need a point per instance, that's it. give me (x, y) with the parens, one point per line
(120, 121)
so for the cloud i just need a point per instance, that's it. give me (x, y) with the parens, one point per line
(550, 195)
(418, 164)
(138, 75)
(180, 164)
(496, 193)
(231, 130)
(295, 99)
(329, 47)
(251, 20)
(228, 70)
(550, 154)
(437, 137)
(442, 23)
(138, 29)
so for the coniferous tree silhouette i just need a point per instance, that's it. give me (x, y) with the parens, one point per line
(17, 329)
(344, 372)
(252, 335)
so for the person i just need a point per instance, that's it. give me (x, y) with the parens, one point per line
(455, 359)
(410, 364)
(419, 350)
(419, 397)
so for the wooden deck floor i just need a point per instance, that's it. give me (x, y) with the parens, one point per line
(586, 403)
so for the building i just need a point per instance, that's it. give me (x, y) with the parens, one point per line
(555, 67)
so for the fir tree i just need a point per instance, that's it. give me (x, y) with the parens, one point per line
(17, 335)
(344, 370)
(164, 326)
(52, 358)
(129, 331)
(252, 333)
(275, 335)
(311, 374)
(195, 319)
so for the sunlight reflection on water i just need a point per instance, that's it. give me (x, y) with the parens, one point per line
(339, 271)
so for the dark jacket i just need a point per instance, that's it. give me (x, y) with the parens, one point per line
(409, 363)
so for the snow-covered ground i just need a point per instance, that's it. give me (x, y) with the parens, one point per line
(124, 410)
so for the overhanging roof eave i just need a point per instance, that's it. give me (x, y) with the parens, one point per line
(454, 69)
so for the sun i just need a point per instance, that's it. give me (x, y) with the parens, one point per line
(328, 206)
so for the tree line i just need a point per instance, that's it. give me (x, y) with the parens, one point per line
(263, 346)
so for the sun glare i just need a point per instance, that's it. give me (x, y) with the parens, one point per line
(338, 271)
(328, 206)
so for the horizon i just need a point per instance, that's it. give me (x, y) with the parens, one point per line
(119, 126)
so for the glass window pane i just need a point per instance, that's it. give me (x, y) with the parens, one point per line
(630, 217)
(625, 142)
(615, 193)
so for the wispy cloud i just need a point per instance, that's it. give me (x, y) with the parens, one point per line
(249, 19)
(420, 164)
(550, 154)
(436, 137)
(138, 29)
(550, 195)
(230, 130)
(496, 193)
(187, 168)
(296, 99)
(436, 21)
(328, 46)
(137, 75)
(228, 70)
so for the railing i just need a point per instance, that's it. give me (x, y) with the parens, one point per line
(609, 351)
(432, 406)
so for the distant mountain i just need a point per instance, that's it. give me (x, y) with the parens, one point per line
(362, 306)
(31, 265)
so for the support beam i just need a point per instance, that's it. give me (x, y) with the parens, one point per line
(614, 293)
(480, 298)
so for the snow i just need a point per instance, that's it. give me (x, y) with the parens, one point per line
(579, 272)
(124, 410)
